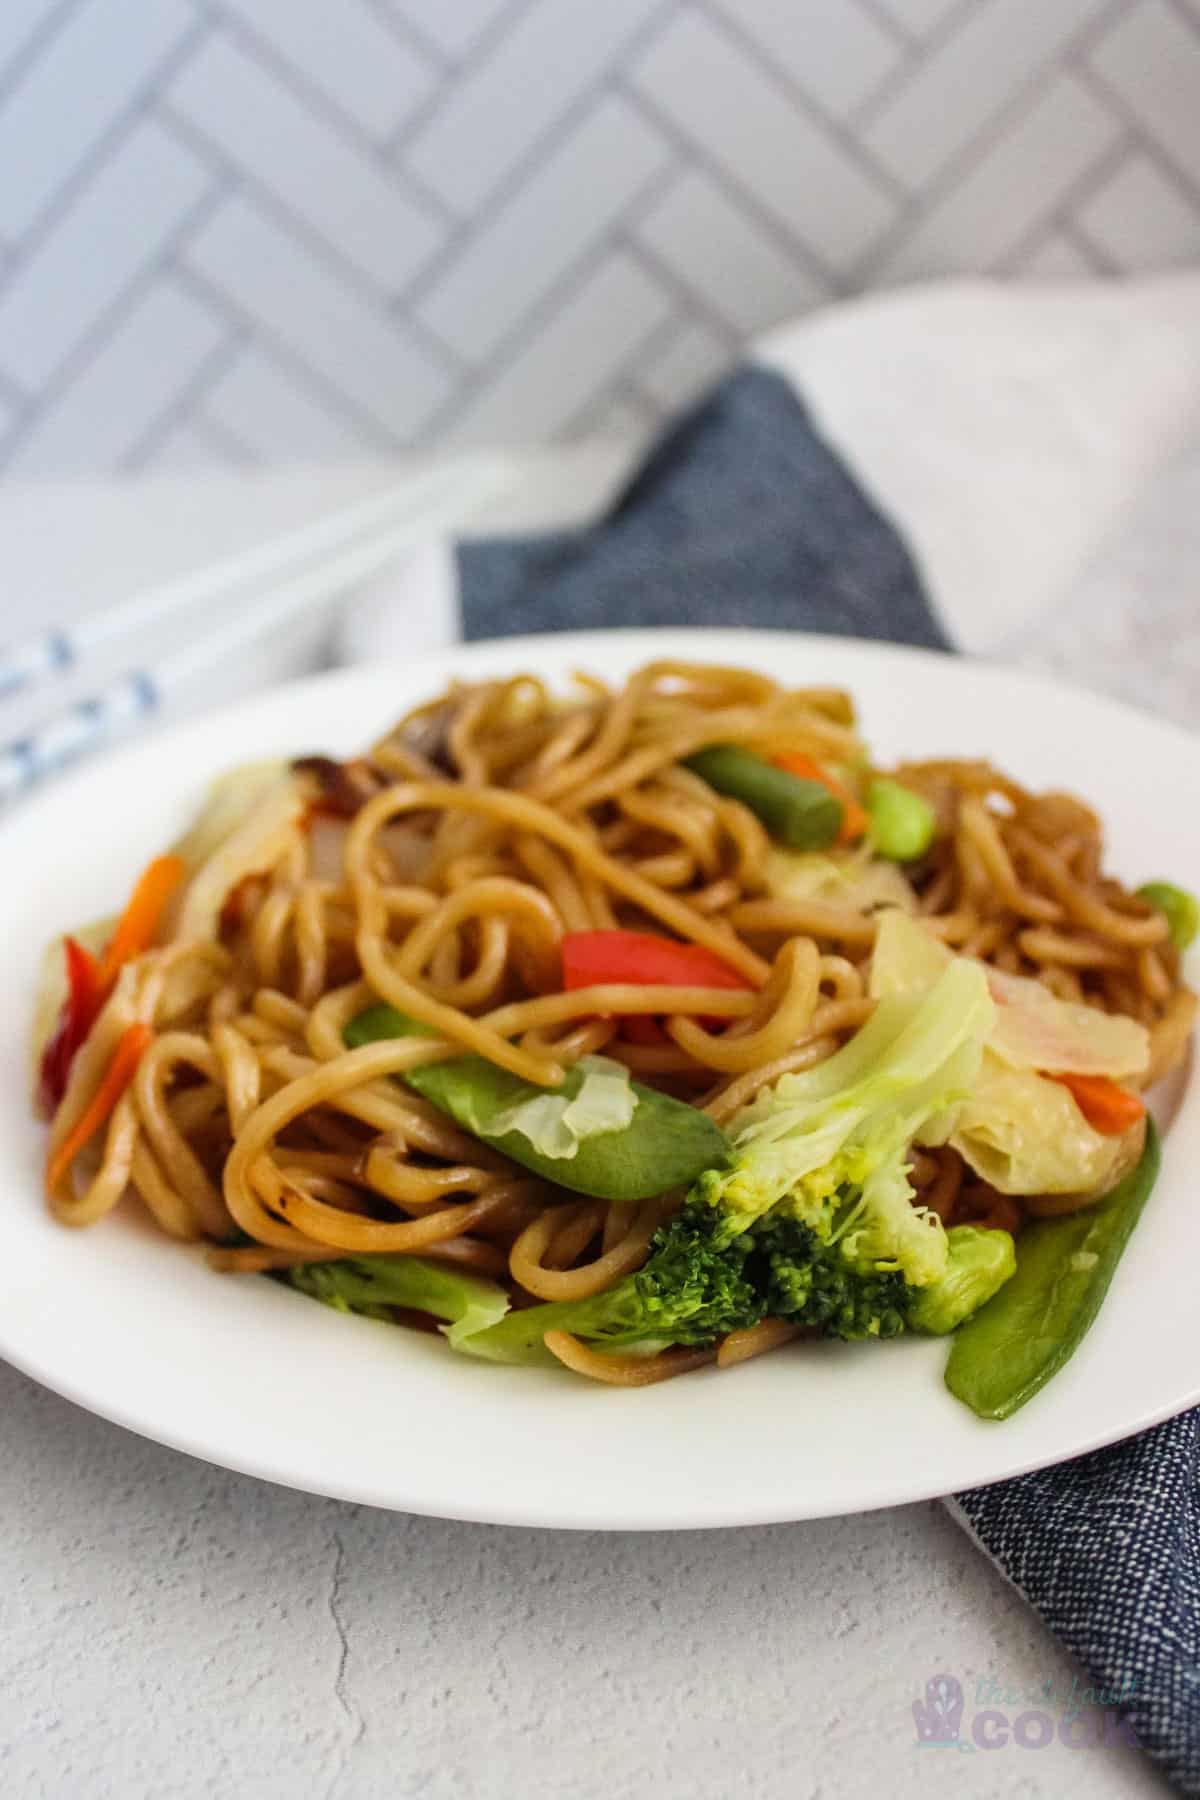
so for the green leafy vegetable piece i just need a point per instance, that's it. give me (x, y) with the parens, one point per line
(843, 1129)
(1010, 1349)
(666, 1145)
(556, 1125)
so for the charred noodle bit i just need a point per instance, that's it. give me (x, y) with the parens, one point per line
(460, 871)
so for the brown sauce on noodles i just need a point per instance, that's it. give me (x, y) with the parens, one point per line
(440, 871)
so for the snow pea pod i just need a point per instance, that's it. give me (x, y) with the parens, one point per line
(800, 813)
(1012, 1346)
(666, 1144)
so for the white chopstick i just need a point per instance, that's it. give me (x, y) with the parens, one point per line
(49, 655)
(142, 691)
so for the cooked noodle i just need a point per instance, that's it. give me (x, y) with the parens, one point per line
(440, 872)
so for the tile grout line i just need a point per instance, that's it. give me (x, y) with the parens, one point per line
(695, 307)
(928, 46)
(307, 95)
(308, 92)
(525, 331)
(116, 133)
(978, 148)
(402, 28)
(181, 404)
(516, 178)
(476, 54)
(695, 155)
(903, 36)
(610, 385)
(44, 32)
(1103, 91)
(1088, 182)
(259, 193)
(85, 351)
(307, 379)
(827, 123)
(221, 435)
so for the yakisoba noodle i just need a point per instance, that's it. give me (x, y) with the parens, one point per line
(441, 873)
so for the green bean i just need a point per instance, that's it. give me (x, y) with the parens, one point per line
(1181, 909)
(901, 822)
(1012, 1346)
(667, 1144)
(797, 812)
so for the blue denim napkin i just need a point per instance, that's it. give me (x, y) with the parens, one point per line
(743, 516)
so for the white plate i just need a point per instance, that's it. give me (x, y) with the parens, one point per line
(250, 1375)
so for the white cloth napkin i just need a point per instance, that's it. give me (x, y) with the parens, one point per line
(1037, 446)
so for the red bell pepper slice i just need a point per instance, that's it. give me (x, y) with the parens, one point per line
(605, 958)
(75, 1020)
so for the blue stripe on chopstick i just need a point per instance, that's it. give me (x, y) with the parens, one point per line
(44, 656)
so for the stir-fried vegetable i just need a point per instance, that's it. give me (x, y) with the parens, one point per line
(556, 1124)
(692, 1289)
(1032, 1028)
(1024, 1134)
(1108, 1108)
(854, 816)
(1181, 908)
(1022, 1126)
(372, 1285)
(813, 1222)
(1009, 1350)
(139, 922)
(665, 1145)
(642, 959)
(979, 1262)
(852, 880)
(802, 814)
(600, 958)
(902, 824)
(131, 1047)
(79, 1009)
(91, 981)
(841, 1132)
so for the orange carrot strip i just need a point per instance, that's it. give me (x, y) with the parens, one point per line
(1108, 1108)
(854, 816)
(139, 922)
(131, 1047)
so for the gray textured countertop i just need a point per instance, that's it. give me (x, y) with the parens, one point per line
(173, 1630)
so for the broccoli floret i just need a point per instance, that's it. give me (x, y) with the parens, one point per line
(813, 1284)
(830, 1147)
(693, 1289)
(704, 1278)
(981, 1261)
(695, 1286)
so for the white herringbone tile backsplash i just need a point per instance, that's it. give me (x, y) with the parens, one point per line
(243, 230)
